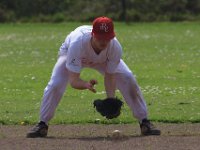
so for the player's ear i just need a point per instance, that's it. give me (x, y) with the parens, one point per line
(93, 36)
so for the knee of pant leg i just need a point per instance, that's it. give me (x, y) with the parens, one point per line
(125, 77)
(131, 79)
(56, 85)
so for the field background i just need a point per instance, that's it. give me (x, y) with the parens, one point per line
(163, 56)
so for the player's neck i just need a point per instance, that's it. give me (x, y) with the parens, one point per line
(95, 48)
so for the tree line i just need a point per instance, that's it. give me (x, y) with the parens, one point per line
(86, 10)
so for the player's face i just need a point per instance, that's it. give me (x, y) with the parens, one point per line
(100, 44)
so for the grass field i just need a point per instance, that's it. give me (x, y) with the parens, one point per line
(163, 56)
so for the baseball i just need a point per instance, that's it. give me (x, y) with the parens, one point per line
(97, 120)
(22, 123)
(116, 134)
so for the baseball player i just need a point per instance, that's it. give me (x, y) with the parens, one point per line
(95, 47)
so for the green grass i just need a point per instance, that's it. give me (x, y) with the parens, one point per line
(163, 56)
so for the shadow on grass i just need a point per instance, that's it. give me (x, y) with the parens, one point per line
(96, 138)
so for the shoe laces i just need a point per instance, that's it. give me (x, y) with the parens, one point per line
(147, 124)
(39, 126)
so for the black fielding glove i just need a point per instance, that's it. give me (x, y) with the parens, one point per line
(109, 107)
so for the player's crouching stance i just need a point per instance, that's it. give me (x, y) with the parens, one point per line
(94, 47)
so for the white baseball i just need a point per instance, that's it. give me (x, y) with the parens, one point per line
(97, 120)
(116, 134)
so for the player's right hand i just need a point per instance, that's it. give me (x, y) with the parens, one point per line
(90, 85)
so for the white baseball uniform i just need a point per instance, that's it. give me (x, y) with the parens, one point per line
(77, 46)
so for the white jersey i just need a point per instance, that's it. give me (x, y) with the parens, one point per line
(77, 46)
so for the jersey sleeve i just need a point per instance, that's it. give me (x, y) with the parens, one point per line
(114, 56)
(65, 45)
(73, 62)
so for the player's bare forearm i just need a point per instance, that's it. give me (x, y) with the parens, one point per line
(110, 84)
(77, 83)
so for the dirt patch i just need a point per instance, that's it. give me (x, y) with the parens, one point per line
(98, 137)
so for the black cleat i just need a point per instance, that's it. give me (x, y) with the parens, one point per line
(147, 128)
(40, 130)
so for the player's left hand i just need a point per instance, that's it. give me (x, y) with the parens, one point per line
(108, 107)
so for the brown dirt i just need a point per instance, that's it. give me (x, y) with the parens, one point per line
(98, 137)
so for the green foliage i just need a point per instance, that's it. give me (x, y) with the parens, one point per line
(87, 10)
(163, 56)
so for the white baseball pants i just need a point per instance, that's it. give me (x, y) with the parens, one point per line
(125, 82)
